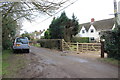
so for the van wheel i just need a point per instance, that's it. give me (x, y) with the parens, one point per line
(14, 51)
(28, 51)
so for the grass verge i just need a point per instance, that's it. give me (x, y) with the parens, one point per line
(12, 64)
(36, 45)
(111, 61)
(5, 64)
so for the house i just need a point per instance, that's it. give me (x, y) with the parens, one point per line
(37, 34)
(94, 28)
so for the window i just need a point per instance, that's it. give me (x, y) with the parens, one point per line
(99, 33)
(92, 30)
(22, 40)
(92, 39)
(83, 31)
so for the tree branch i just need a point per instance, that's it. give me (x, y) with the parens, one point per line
(9, 10)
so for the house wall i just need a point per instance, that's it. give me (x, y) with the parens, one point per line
(81, 34)
(94, 34)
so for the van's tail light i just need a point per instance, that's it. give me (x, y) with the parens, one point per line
(16, 44)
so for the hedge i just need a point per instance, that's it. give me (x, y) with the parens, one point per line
(112, 44)
(50, 43)
(80, 39)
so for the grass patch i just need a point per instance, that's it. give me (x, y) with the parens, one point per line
(6, 54)
(36, 45)
(5, 64)
(12, 63)
(110, 61)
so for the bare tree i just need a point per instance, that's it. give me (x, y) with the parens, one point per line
(14, 12)
(28, 9)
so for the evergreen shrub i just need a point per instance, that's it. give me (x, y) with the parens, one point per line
(80, 39)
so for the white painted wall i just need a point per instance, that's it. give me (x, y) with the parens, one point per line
(94, 34)
(88, 33)
(80, 34)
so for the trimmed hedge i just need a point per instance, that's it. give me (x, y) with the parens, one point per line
(50, 43)
(80, 39)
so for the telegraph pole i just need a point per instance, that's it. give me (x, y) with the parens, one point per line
(115, 13)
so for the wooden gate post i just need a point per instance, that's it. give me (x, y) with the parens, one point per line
(102, 48)
(77, 47)
(61, 44)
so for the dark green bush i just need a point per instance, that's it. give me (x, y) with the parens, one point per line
(80, 39)
(47, 34)
(50, 43)
(7, 44)
(112, 43)
(42, 37)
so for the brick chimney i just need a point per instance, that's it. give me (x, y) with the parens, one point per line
(92, 20)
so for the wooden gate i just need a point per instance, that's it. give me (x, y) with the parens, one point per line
(81, 47)
(85, 46)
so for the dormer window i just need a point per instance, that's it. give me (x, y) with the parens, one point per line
(91, 30)
(92, 38)
(99, 33)
(83, 31)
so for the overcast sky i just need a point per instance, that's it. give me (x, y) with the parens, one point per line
(84, 10)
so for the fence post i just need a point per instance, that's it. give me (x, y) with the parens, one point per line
(102, 49)
(77, 47)
(61, 44)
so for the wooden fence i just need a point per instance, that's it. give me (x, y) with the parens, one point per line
(63, 46)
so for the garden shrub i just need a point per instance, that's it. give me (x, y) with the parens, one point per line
(7, 44)
(80, 39)
(50, 43)
(112, 43)
(42, 37)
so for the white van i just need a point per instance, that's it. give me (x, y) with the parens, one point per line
(21, 44)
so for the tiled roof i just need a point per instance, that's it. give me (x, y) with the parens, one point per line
(106, 24)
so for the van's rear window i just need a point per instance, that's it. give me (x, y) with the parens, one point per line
(22, 40)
